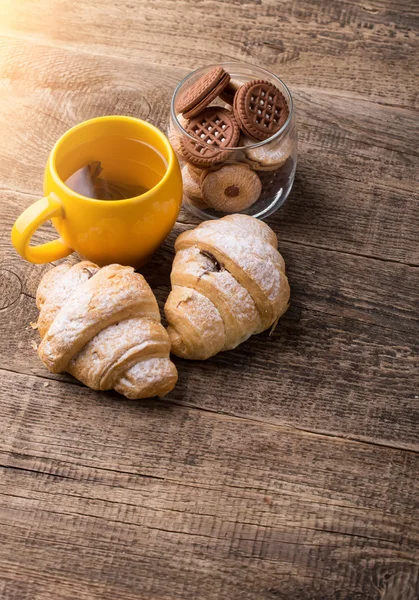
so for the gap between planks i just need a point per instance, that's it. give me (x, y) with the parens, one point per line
(226, 416)
(42, 41)
(294, 304)
(203, 535)
(281, 239)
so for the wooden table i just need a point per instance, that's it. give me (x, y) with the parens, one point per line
(288, 468)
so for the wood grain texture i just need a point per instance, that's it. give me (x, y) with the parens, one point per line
(349, 184)
(283, 470)
(340, 322)
(162, 508)
(370, 45)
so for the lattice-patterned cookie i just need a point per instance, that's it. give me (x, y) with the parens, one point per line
(214, 129)
(260, 109)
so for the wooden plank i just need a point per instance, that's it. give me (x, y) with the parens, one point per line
(344, 340)
(330, 282)
(118, 499)
(359, 48)
(356, 181)
(236, 486)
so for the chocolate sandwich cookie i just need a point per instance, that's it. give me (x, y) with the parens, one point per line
(201, 93)
(213, 129)
(260, 109)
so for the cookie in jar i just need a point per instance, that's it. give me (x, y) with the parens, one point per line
(234, 131)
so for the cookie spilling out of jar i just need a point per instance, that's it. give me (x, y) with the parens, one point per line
(223, 131)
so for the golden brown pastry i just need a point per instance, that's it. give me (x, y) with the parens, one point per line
(103, 326)
(228, 283)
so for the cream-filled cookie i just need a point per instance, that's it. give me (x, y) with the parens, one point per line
(232, 188)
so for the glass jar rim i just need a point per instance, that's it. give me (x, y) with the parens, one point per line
(225, 66)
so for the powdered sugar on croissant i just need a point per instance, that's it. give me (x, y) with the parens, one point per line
(228, 283)
(103, 326)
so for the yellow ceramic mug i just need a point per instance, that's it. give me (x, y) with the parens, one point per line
(105, 231)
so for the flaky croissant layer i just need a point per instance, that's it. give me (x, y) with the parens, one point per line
(103, 326)
(228, 283)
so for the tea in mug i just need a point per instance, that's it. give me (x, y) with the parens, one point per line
(117, 169)
(90, 181)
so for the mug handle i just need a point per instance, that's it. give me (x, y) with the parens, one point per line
(28, 222)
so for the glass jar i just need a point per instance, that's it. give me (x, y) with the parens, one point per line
(272, 162)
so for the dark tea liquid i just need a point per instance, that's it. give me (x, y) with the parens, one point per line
(90, 181)
(113, 168)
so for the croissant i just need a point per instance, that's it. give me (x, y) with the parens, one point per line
(103, 326)
(228, 283)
